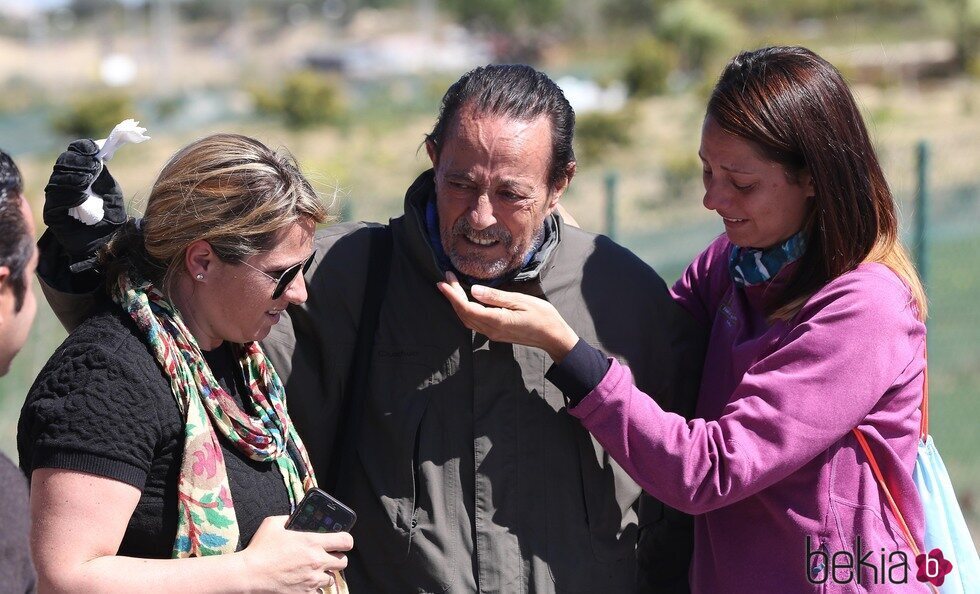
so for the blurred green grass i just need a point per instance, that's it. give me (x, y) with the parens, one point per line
(954, 363)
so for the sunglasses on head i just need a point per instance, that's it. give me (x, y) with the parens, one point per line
(286, 276)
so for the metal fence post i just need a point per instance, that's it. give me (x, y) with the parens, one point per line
(612, 178)
(921, 206)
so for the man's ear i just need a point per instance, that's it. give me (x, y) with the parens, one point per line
(199, 259)
(430, 148)
(559, 189)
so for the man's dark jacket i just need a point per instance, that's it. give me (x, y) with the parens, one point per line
(469, 475)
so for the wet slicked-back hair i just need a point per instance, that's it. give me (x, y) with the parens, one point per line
(514, 91)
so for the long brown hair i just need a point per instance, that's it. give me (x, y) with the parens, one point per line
(798, 111)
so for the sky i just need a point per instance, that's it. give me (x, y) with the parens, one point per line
(32, 4)
(27, 6)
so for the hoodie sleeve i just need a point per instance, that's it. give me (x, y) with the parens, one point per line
(851, 343)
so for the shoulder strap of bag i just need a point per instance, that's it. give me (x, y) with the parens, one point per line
(888, 495)
(923, 433)
(884, 488)
(924, 423)
(352, 408)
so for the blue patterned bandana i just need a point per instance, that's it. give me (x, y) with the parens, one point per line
(538, 253)
(752, 266)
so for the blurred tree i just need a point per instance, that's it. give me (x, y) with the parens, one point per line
(86, 9)
(93, 115)
(648, 64)
(596, 132)
(354, 4)
(630, 13)
(201, 10)
(504, 15)
(968, 36)
(768, 11)
(306, 99)
(310, 99)
(959, 20)
(700, 31)
(644, 13)
(266, 101)
(681, 176)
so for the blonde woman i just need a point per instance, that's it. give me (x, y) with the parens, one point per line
(157, 441)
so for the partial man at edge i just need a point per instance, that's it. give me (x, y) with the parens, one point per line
(18, 259)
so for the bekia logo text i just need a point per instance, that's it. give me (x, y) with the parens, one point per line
(855, 567)
(864, 567)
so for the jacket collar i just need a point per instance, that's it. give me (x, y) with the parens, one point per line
(414, 235)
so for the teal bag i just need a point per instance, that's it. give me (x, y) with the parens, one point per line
(945, 526)
(949, 548)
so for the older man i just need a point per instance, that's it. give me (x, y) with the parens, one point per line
(466, 473)
(464, 470)
(18, 259)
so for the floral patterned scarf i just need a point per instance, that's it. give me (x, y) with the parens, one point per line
(206, 522)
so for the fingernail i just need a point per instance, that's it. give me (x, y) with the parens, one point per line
(479, 290)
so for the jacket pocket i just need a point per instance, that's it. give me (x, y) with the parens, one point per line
(396, 525)
(883, 561)
(664, 547)
(387, 443)
(592, 524)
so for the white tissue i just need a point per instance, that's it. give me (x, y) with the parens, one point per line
(128, 131)
(91, 211)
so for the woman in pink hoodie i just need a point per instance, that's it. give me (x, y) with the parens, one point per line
(815, 315)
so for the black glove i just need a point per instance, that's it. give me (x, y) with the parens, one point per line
(74, 170)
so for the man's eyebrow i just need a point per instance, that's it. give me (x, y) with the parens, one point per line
(520, 187)
(516, 185)
(460, 176)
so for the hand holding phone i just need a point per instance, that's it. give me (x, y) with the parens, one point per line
(321, 512)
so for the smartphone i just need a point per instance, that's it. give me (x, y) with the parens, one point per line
(321, 512)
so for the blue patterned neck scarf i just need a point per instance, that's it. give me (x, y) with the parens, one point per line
(751, 266)
(432, 227)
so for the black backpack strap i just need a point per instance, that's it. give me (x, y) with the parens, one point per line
(352, 408)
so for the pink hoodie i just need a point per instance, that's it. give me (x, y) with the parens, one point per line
(785, 500)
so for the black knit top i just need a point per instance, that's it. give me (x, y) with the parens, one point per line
(102, 405)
